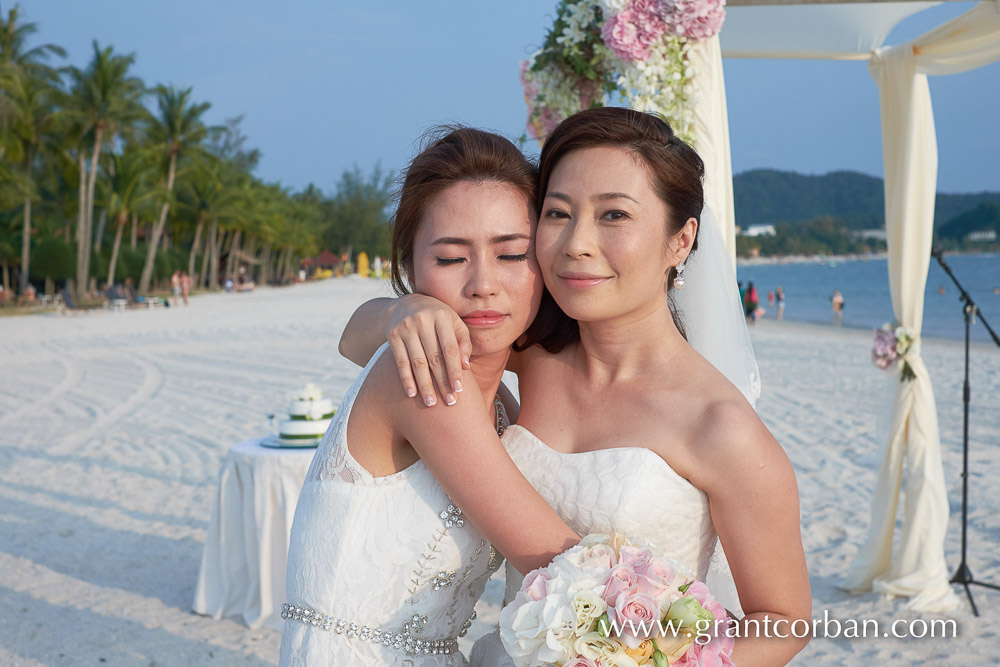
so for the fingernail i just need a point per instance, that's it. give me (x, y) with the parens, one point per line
(450, 399)
(458, 386)
(465, 358)
(430, 400)
(411, 392)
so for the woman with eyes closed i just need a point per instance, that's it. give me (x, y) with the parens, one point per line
(624, 427)
(389, 549)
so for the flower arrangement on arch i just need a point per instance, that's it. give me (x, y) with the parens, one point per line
(635, 51)
(892, 344)
(608, 603)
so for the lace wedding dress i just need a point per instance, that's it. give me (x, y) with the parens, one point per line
(628, 490)
(381, 570)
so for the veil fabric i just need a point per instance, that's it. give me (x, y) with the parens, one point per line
(712, 312)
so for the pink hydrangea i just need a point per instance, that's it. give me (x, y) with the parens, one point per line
(696, 19)
(884, 349)
(631, 32)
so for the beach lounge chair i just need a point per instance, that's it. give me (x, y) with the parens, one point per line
(116, 300)
(67, 304)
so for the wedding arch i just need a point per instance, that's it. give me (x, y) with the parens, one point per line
(666, 56)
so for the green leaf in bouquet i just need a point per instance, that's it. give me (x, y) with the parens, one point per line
(604, 625)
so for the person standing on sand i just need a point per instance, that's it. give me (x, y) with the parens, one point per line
(838, 306)
(175, 284)
(185, 286)
(750, 303)
(779, 295)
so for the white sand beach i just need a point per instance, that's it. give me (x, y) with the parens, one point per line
(113, 425)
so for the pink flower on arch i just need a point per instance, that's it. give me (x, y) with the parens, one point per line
(631, 32)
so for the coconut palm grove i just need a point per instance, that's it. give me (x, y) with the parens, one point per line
(109, 181)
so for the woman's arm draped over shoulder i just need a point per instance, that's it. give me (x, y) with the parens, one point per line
(365, 331)
(461, 449)
(429, 341)
(755, 507)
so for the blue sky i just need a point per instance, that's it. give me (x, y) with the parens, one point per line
(327, 85)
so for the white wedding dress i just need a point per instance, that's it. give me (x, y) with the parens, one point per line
(627, 490)
(381, 570)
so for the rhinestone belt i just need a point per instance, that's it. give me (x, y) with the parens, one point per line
(403, 641)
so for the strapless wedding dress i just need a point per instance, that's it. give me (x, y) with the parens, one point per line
(381, 570)
(627, 490)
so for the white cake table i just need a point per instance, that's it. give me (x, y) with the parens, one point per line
(242, 572)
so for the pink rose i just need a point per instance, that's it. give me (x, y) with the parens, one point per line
(713, 647)
(635, 557)
(599, 556)
(581, 661)
(621, 579)
(636, 615)
(661, 590)
(534, 584)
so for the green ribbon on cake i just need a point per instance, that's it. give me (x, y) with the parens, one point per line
(307, 418)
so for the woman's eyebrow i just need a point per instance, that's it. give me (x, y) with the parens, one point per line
(503, 238)
(602, 196)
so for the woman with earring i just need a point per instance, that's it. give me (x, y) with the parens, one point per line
(624, 426)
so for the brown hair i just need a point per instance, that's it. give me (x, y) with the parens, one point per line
(451, 155)
(675, 171)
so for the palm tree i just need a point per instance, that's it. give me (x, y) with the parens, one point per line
(104, 98)
(16, 62)
(176, 132)
(129, 186)
(211, 197)
(38, 117)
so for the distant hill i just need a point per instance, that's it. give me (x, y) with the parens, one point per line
(767, 196)
(984, 217)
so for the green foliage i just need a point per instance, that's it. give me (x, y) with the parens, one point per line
(52, 258)
(984, 217)
(767, 196)
(130, 263)
(357, 216)
(821, 236)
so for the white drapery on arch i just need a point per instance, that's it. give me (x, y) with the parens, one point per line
(855, 31)
(909, 147)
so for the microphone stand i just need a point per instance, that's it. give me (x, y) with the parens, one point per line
(963, 575)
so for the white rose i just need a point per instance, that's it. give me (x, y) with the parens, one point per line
(587, 607)
(608, 650)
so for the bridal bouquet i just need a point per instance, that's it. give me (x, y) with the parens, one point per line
(892, 344)
(609, 603)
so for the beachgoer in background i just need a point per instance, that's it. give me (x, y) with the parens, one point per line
(29, 292)
(743, 292)
(779, 294)
(750, 303)
(229, 284)
(996, 290)
(377, 266)
(770, 299)
(941, 290)
(175, 283)
(185, 286)
(838, 306)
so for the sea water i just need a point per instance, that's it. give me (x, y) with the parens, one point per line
(864, 283)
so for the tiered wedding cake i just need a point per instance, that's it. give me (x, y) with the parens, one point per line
(309, 415)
